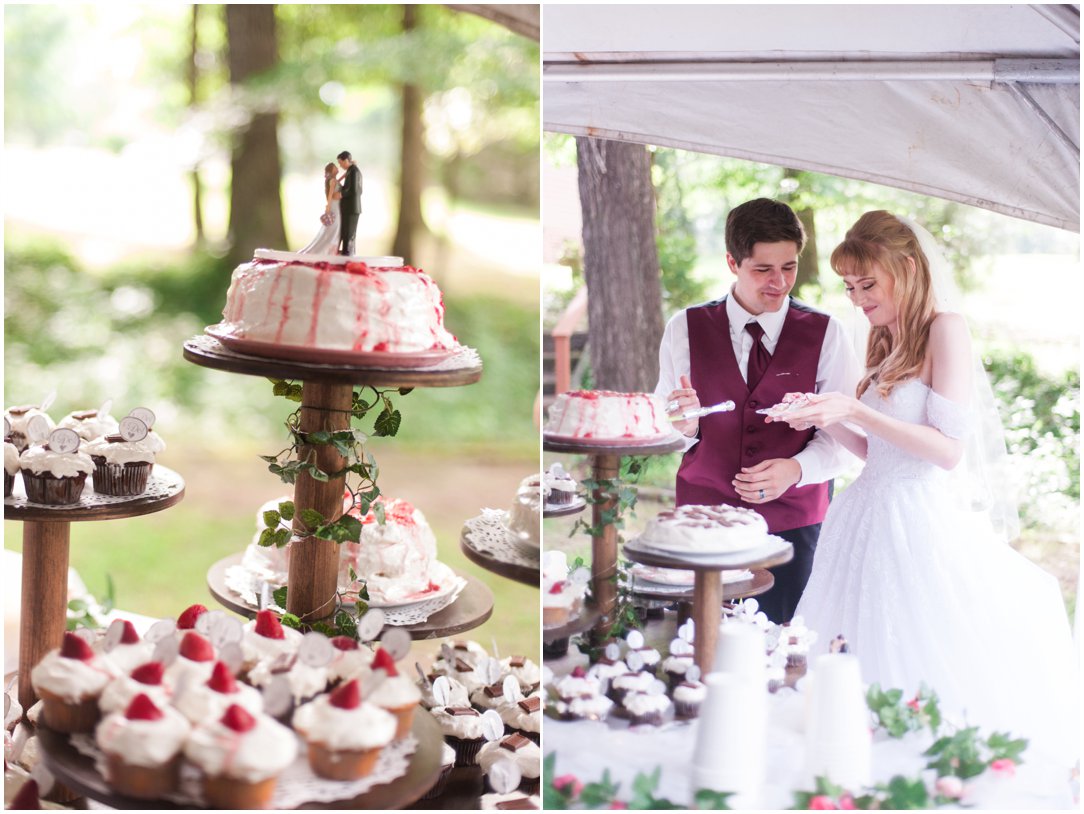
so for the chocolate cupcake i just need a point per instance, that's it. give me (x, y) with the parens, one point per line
(123, 462)
(462, 728)
(54, 474)
(11, 466)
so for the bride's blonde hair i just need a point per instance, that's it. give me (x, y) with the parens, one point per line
(880, 238)
(330, 171)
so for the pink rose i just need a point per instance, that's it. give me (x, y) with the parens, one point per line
(569, 784)
(822, 803)
(913, 704)
(618, 804)
(846, 803)
(950, 786)
(1004, 766)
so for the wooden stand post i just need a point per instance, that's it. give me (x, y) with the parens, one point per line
(604, 547)
(708, 613)
(44, 600)
(314, 563)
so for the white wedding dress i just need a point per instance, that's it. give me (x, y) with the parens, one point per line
(327, 239)
(922, 596)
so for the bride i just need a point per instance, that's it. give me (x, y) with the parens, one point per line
(327, 239)
(900, 570)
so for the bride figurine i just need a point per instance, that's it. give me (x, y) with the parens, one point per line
(901, 569)
(327, 239)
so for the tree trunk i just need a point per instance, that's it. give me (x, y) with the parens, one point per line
(255, 196)
(620, 263)
(808, 264)
(193, 100)
(411, 164)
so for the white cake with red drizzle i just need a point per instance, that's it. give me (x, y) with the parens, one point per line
(336, 303)
(601, 415)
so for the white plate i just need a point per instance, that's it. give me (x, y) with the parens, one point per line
(451, 584)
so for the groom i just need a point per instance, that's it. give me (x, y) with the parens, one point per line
(350, 204)
(753, 347)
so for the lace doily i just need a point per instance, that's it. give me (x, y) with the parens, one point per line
(248, 585)
(296, 785)
(489, 534)
(163, 483)
(465, 359)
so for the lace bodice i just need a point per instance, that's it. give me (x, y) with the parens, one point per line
(914, 402)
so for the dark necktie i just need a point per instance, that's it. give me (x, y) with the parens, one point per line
(759, 358)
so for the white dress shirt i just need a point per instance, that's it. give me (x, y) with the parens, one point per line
(837, 371)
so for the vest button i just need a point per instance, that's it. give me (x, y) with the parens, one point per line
(750, 430)
(750, 450)
(753, 403)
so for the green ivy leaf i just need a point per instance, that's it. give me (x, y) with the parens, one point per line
(279, 596)
(311, 518)
(387, 423)
(706, 799)
(267, 538)
(290, 620)
(271, 518)
(346, 529)
(378, 512)
(286, 510)
(282, 537)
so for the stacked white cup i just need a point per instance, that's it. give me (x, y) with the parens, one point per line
(838, 739)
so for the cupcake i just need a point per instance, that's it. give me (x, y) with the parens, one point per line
(52, 477)
(194, 663)
(462, 728)
(470, 674)
(188, 618)
(350, 660)
(526, 671)
(345, 735)
(524, 717)
(209, 701)
(397, 694)
(577, 684)
(447, 763)
(265, 639)
(241, 756)
(456, 694)
(524, 752)
(147, 679)
(90, 424)
(129, 652)
(11, 465)
(483, 698)
(606, 670)
(583, 707)
(142, 748)
(69, 681)
(123, 462)
(675, 667)
(646, 708)
(630, 683)
(558, 486)
(688, 696)
(304, 681)
(19, 418)
(460, 650)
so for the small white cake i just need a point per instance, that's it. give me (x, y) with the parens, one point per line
(705, 530)
(601, 415)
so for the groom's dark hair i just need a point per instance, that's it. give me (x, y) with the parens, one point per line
(762, 220)
(345, 156)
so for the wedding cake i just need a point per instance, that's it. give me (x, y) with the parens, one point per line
(331, 302)
(705, 529)
(600, 415)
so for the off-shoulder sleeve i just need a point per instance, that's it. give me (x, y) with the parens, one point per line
(952, 419)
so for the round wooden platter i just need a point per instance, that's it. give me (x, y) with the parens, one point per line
(552, 443)
(776, 551)
(209, 352)
(761, 581)
(527, 574)
(164, 489)
(470, 609)
(575, 507)
(587, 619)
(77, 772)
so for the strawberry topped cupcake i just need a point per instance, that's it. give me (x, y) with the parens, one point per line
(188, 618)
(397, 694)
(241, 756)
(194, 663)
(345, 734)
(350, 660)
(129, 652)
(142, 748)
(265, 639)
(69, 681)
(147, 679)
(209, 701)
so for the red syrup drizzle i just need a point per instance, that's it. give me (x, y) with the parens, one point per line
(286, 300)
(322, 283)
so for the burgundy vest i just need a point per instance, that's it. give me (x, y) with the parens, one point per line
(730, 441)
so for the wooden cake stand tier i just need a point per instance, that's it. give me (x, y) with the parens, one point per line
(588, 618)
(472, 608)
(708, 588)
(210, 353)
(575, 507)
(527, 574)
(761, 581)
(43, 613)
(77, 772)
(605, 465)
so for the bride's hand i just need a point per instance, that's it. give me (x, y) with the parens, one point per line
(823, 410)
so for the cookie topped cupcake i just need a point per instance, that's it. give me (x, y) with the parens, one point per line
(90, 424)
(55, 472)
(123, 460)
(19, 418)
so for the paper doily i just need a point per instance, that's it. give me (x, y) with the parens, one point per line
(163, 483)
(489, 533)
(296, 785)
(248, 585)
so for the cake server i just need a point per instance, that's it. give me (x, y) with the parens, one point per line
(721, 407)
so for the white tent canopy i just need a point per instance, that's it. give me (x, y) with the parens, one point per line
(973, 103)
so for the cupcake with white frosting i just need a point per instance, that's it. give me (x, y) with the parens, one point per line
(630, 683)
(142, 748)
(526, 671)
(646, 708)
(456, 693)
(209, 701)
(522, 751)
(11, 466)
(52, 477)
(397, 694)
(463, 729)
(303, 680)
(345, 735)
(350, 660)
(129, 652)
(146, 679)
(489, 697)
(524, 717)
(90, 424)
(69, 681)
(688, 696)
(123, 462)
(194, 663)
(19, 418)
(265, 639)
(242, 756)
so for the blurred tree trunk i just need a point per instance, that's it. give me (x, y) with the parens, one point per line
(808, 264)
(620, 263)
(255, 198)
(193, 100)
(411, 164)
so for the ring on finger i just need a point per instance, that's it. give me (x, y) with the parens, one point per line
(762, 494)
(671, 407)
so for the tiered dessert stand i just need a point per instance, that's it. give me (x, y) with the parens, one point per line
(43, 612)
(654, 595)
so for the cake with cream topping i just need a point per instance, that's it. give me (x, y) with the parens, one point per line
(603, 415)
(345, 735)
(705, 530)
(143, 747)
(336, 303)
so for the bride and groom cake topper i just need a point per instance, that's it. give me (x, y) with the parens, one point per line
(342, 209)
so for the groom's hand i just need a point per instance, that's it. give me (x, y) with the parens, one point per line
(767, 480)
(681, 401)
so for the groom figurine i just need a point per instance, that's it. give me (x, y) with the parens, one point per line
(753, 347)
(350, 204)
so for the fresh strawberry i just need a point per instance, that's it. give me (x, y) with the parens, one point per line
(238, 719)
(196, 648)
(344, 643)
(130, 636)
(557, 587)
(346, 696)
(75, 647)
(142, 708)
(150, 673)
(384, 661)
(579, 672)
(187, 619)
(269, 626)
(222, 679)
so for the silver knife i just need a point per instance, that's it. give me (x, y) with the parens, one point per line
(722, 407)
